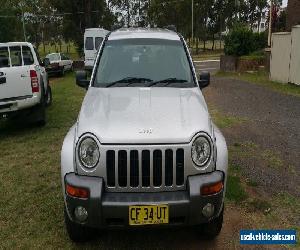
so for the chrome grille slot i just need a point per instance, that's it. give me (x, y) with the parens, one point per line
(146, 168)
(168, 167)
(122, 168)
(179, 167)
(132, 169)
(110, 166)
(157, 168)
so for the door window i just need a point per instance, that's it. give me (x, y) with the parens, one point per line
(89, 43)
(15, 56)
(27, 56)
(4, 57)
(98, 41)
(64, 57)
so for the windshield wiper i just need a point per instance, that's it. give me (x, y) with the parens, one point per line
(168, 81)
(129, 80)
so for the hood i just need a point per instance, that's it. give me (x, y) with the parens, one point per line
(143, 115)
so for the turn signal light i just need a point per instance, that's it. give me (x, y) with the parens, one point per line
(77, 192)
(212, 188)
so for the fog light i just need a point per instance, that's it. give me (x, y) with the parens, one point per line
(208, 210)
(81, 214)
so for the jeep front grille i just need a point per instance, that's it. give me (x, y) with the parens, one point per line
(145, 168)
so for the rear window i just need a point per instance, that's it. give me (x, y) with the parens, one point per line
(53, 57)
(15, 56)
(89, 43)
(98, 41)
(27, 56)
(4, 57)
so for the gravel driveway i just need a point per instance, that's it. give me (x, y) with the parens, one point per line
(271, 125)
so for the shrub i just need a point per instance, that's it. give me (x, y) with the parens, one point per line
(260, 40)
(242, 41)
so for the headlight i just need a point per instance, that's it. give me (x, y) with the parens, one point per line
(88, 152)
(201, 151)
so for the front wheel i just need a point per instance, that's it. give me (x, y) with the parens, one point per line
(77, 232)
(213, 228)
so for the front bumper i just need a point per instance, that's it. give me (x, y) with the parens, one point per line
(112, 209)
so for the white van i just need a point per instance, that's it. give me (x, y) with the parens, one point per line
(24, 85)
(93, 38)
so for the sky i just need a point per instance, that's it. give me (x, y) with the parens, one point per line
(284, 2)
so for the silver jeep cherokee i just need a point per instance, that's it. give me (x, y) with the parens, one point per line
(144, 150)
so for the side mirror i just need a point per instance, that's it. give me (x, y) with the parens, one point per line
(46, 62)
(204, 79)
(81, 79)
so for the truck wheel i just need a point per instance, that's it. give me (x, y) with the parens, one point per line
(40, 116)
(212, 229)
(48, 97)
(62, 73)
(77, 232)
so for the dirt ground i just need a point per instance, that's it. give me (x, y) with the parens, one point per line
(271, 125)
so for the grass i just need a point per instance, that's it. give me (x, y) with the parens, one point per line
(31, 202)
(235, 191)
(273, 160)
(225, 121)
(244, 150)
(208, 55)
(262, 78)
(208, 44)
(258, 204)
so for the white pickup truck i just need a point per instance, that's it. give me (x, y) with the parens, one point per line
(24, 85)
(59, 64)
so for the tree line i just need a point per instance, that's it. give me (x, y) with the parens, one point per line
(46, 21)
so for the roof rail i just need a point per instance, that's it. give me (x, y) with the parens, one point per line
(171, 27)
(116, 27)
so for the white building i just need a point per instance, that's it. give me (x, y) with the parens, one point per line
(262, 26)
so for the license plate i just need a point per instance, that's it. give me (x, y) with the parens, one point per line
(148, 215)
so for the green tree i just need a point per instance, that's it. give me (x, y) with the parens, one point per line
(80, 15)
(10, 22)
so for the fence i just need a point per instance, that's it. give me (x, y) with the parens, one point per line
(285, 56)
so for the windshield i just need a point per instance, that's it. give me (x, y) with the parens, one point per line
(144, 62)
(53, 57)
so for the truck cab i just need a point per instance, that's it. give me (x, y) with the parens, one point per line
(24, 85)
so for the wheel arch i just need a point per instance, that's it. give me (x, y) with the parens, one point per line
(222, 154)
(67, 156)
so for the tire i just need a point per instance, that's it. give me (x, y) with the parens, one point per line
(35, 115)
(62, 73)
(77, 232)
(48, 97)
(212, 229)
(40, 116)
